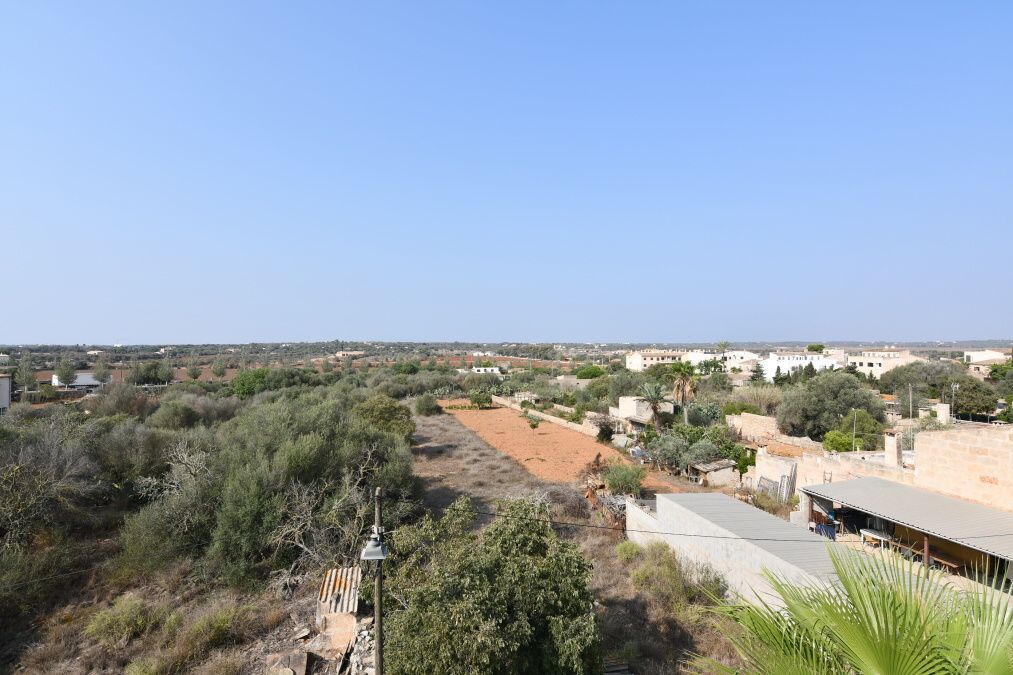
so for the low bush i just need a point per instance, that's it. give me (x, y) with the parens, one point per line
(173, 415)
(627, 551)
(480, 398)
(426, 405)
(624, 479)
(128, 618)
(673, 584)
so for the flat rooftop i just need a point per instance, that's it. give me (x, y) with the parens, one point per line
(791, 543)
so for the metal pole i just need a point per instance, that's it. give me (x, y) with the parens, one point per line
(854, 428)
(378, 594)
(910, 401)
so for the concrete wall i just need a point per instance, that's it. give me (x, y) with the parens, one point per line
(5, 393)
(970, 462)
(740, 562)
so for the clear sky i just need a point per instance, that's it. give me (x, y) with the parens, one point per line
(251, 171)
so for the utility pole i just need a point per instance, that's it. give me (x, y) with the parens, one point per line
(854, 428)
(378, 591)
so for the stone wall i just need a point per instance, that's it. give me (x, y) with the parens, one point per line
(585, 428)
(973, 463)
(762, 428)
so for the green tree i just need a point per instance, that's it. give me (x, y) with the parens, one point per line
(101, 370)
(757, 374)
(589, 372)
(164, 372)
(193, 369)
(218, 367)
(667, 450)
(654, 395)
(868, 432)
(386, 414)
(882, 617)
(624, 479)
(66, 371)
(974, 397)
(682, 376)
(837, 441)
(480, 398)
(250, 382)
(816, 406)
(326, 365)
(24, 376)
(817, 347)
(510, 598)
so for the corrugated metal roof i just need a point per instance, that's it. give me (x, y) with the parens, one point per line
(339, 591)
(715, 465)
(791, 543)
(973, 525)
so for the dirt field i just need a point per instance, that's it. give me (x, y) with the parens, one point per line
(550, 452)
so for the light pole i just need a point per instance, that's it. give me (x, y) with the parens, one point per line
(953, 398)
(376, 550)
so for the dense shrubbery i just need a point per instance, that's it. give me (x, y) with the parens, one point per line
(589, 372)
(511, 598)
(624, 479)
(817, 406)
(426, 405)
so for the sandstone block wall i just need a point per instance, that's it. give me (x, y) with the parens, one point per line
(971, 463)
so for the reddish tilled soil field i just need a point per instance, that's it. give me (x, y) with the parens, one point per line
(550, 452)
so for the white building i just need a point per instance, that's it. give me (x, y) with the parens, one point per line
(486, 370)
(791, 361)
(4, 359)
(83, 381)
(642, 360)
(875, 363)
(636, 411)
(698, 356)
(734, 358)
(5, 393)
(984, 355)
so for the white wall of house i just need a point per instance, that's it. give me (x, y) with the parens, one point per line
(788, 362)
(642, 360)
(984, 355)
(876, 363)
(5, 393)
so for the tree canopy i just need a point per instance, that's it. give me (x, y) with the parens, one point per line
(818, 405)
(511, 598)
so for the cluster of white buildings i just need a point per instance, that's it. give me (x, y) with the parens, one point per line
(871, 362)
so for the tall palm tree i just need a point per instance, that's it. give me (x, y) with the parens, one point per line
(654, 394)
(884, 617)
(683, 377)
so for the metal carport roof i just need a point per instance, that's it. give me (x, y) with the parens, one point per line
(966, 523)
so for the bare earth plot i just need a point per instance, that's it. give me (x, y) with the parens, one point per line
(550, 452)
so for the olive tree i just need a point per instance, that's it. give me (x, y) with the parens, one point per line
(818, 405)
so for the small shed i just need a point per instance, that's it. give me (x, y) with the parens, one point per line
(714, 473)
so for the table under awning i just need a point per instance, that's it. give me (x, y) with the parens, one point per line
(975, 526)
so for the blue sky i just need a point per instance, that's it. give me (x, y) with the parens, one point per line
(193, 171)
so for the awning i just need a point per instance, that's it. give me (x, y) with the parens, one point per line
(972, 525)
